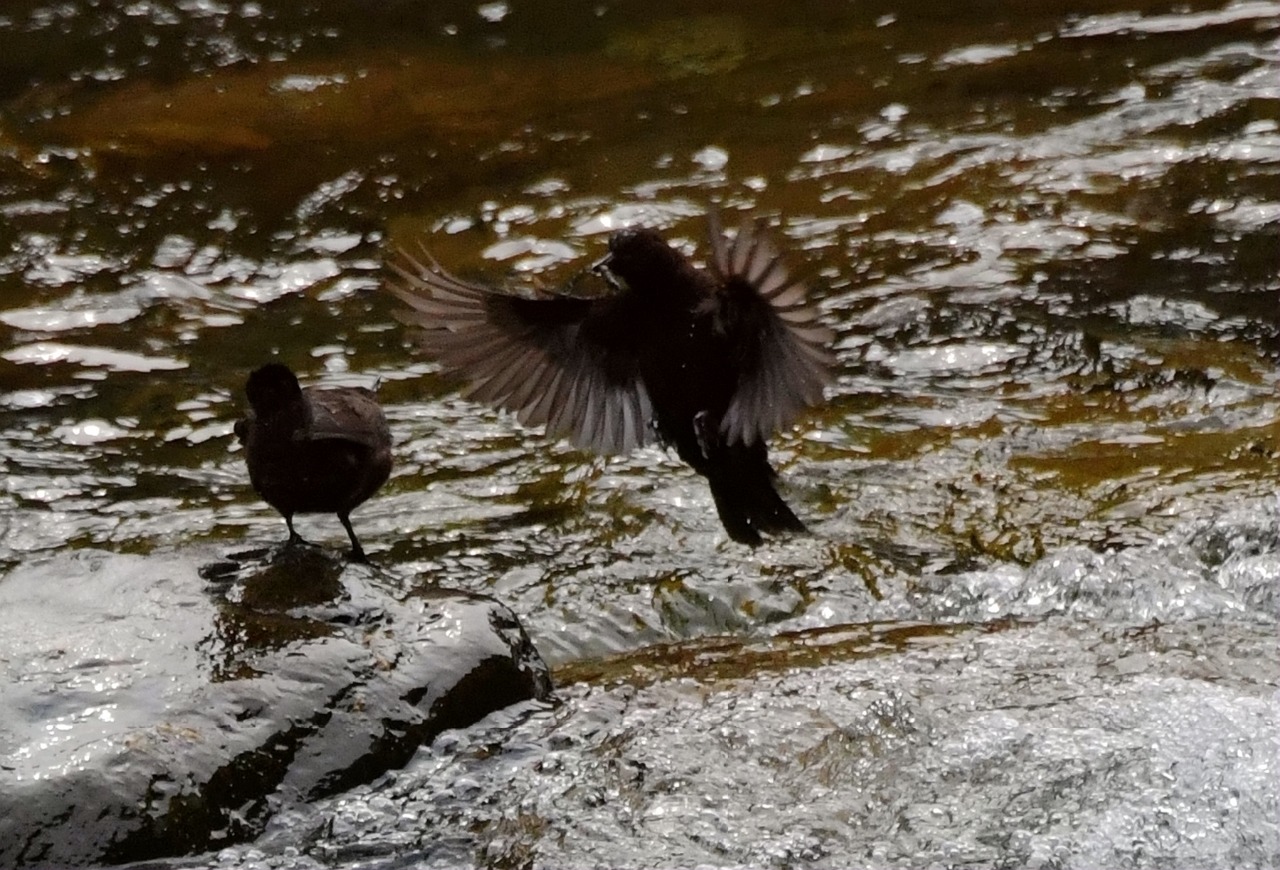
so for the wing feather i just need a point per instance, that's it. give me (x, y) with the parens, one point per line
(561, 362)
(784, 355)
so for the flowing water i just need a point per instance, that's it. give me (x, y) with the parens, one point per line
(1034, 624)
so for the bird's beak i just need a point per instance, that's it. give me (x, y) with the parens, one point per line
(601, 268)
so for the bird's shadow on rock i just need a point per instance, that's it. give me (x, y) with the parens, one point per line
(281, 577)
(270, 597)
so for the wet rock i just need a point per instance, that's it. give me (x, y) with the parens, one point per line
(153, 707)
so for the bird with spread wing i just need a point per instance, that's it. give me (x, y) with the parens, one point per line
(711, 361)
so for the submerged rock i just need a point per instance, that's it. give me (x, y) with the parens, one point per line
(150, 707)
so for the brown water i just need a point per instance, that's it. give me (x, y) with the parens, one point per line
(1048, 238)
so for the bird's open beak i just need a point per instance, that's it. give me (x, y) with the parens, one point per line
(601, 268)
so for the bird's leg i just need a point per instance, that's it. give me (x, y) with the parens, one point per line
(702, 432)
(657, 434)
(294, 537)
(601, 268)
(357, 551)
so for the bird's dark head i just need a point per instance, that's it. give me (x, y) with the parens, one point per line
(271, 387)
(641, 257)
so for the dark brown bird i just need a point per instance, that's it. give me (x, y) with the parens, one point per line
(710, 361)
(313, 450)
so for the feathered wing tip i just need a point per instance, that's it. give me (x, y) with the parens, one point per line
(793, 359)
(437, 299)
(525, 355)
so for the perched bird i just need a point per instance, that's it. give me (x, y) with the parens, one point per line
(314, 450)
(710, 361)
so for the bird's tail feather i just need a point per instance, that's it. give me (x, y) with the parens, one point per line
(745, 497)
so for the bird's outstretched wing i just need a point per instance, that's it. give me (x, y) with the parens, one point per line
(783, 350)
(565, 363)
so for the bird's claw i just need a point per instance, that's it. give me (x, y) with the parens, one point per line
(700, 432)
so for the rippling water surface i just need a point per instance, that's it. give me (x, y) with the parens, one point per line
(1045, 479)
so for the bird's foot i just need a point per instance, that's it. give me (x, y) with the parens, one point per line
(357, 551)
(702, 432)
(658, 437)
